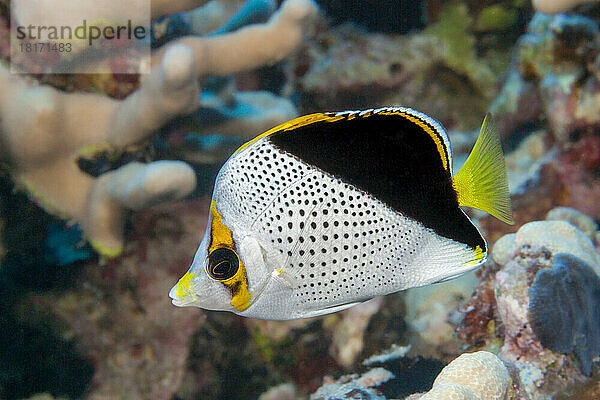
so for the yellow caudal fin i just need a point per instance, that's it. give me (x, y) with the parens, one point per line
(481, 182)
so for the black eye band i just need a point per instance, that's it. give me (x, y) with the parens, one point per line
(223, 263)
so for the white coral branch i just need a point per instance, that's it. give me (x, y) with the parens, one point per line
(557, 6)
(45, 129)
(252, 46)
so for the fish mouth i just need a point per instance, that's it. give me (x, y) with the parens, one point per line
(178, 300)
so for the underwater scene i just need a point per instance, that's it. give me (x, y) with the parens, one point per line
(300, 199)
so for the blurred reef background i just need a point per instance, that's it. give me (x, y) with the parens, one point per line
(105, 181)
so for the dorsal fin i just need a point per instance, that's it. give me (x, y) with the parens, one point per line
(481, 182)
(426, 123)
(430, 126)
(292, 124)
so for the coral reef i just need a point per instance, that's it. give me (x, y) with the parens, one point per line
(241, 114)
(119, 315)
(392, 353)
(353, 385)
(557, 178)
(555, 78)
(348, 335)
(430, 310)
(230, 359)
(210, 18)
(447, 71)
(523, 165)
(540, 372)
(471, 376)
(564, 309)
(59, 126)
(411, 374)
(476, 376)
(390, 375)
(583, 222)
(285, 391)
(249, 47)
(499, 316)
(553, 82)
(556, 236)
(252, 12)
(557, 6)
(356, 70)
(554, 74)
(94, 148)
(44, 129)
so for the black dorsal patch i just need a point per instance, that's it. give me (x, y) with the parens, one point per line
(390, 157)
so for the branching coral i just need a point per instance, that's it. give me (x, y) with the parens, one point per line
(557, 6)
(252, 46)
(47, 10)
(167, 7)
(44, 130)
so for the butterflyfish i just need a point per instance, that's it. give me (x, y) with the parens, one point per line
(329, 210)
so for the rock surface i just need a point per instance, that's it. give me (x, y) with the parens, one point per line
(120, 313)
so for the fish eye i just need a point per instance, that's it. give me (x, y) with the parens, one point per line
(223, 263)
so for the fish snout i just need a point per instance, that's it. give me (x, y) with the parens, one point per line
(182, 294)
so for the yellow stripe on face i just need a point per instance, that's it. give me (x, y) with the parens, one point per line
(238, 285)
(427, 128)
(221, 237)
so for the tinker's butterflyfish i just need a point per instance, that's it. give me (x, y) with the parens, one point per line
(332, 209)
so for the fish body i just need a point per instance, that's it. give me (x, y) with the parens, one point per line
(332, 209)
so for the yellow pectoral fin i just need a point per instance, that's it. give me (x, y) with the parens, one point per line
(481, 182)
